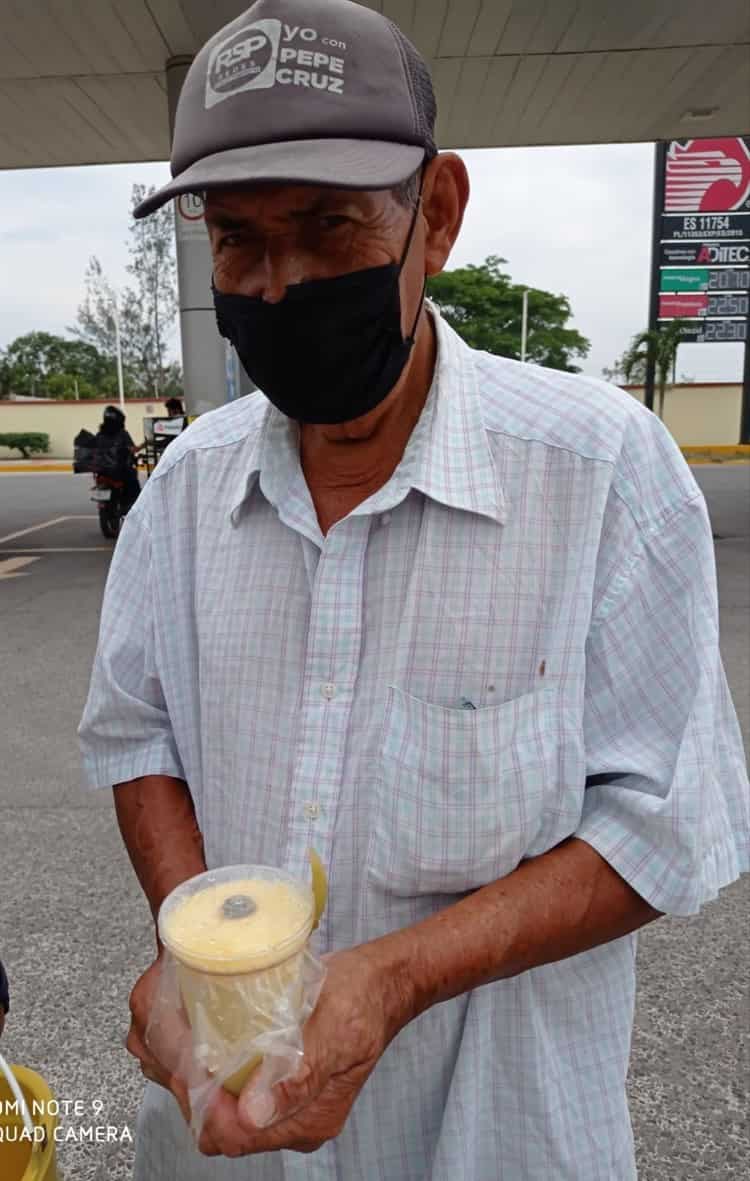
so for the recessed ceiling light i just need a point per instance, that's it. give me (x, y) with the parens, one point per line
(699, 114)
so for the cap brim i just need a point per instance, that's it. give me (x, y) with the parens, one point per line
(340, 163)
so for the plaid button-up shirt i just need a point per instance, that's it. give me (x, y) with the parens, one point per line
(514, 640)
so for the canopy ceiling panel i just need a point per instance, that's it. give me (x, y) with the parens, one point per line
(82, 81)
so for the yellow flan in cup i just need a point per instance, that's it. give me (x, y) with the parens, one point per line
(238, 936)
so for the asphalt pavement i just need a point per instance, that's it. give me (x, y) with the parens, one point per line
(75, 931)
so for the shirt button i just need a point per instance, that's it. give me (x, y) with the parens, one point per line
(385, 519)
(312, 811)
(328, 690)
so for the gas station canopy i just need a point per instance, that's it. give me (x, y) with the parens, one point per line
(83, 81)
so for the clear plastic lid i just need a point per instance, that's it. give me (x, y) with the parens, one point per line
(239, 918)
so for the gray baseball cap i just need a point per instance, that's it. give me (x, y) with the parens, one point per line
(322, 92)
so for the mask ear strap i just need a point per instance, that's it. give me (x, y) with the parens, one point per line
(410, 337)
(413, 222)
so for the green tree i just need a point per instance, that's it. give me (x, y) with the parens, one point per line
(147, 308)
(44, 365)
(659, 345)
(96, 326)
(154, 269)
(68, 387)
(485, 307)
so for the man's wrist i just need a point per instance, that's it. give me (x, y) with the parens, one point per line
(557, 905)
(392, 957)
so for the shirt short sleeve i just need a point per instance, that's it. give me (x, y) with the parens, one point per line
(667, 798)
(125, 731)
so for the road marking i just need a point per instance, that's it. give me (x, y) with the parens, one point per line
(47, 525)
(9, 568)
(33, 529)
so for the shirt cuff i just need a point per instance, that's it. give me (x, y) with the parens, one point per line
(105, 768)
(670, 876)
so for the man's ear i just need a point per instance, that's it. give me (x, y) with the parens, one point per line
(444, 198)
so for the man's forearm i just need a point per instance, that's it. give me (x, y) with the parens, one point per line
(551, 907)
(158, 825)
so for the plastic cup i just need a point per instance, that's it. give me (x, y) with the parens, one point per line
(238, 936)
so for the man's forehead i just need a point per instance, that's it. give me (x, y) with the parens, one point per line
(288, 197)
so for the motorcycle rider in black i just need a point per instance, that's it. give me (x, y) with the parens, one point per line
(113, 440)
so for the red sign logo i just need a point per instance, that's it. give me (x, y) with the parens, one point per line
(707, 176)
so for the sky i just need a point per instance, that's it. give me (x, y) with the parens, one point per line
(571, 220)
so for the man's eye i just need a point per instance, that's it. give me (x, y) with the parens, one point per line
(333, 221)
(229, 240)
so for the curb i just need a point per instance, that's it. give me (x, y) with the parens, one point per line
(694, 454)
(29, 465)
(719, 453)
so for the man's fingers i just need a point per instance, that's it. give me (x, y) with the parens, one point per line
(221, 1131)
(166, 1030)
(150, 1066)
(135, 1046)
(156, 1072)
(259, 1108)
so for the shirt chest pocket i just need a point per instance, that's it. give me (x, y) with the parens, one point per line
(463, 795)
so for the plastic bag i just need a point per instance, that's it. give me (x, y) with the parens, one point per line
(214, 1031)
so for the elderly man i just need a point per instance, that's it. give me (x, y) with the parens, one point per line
(449, 619)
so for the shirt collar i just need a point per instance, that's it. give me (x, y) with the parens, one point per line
(447, 457)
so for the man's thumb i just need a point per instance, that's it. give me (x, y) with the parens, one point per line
(262, 1106)
(257, 1109)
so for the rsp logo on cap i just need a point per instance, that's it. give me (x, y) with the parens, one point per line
(245, 61)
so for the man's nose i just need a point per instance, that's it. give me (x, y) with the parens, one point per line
(282, 267)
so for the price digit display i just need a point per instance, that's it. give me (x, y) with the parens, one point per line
(727, 305)
(729, 280)
(725, 330)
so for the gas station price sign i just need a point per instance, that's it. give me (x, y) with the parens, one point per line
(703, 265)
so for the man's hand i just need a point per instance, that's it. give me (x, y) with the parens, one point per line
(159, 1064)
(361, 1009)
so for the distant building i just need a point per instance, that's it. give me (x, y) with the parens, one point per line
(701, 412)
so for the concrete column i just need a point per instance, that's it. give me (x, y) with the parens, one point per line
(211, 370)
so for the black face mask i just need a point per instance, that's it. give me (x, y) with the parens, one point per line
(331, 349)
